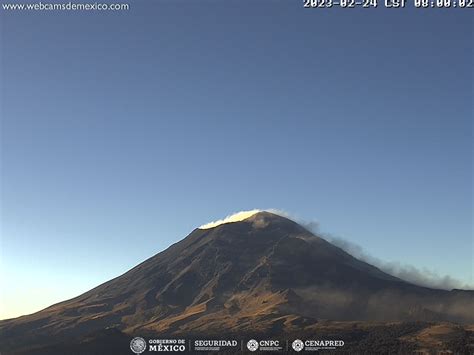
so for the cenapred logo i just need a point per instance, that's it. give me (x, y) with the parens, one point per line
(297, 345)
(252, 345)
(138, 345)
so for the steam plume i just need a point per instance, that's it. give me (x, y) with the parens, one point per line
(410, 273)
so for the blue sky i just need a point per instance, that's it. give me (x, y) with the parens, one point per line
(122, 132)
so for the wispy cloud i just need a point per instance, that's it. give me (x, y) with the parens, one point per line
(418, 276)
(407, 272)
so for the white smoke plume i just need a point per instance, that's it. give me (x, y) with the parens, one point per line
(235, 217)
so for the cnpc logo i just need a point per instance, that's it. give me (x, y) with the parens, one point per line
(254, 345)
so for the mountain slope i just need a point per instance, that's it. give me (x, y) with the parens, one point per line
(264, 274)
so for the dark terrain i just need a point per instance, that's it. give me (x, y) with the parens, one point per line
(264, 276)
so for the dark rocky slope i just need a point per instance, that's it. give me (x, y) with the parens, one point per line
(264, 274)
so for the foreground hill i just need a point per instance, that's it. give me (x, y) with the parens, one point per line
(264, 275)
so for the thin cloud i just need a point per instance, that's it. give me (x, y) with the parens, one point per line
(418, 276)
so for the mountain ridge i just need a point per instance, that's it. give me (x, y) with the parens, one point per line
(263, 274)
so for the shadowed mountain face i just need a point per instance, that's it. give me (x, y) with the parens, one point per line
(264, 274)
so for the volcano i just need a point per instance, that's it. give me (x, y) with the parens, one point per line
(263, 275)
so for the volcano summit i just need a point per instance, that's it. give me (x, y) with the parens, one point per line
(263, 275)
